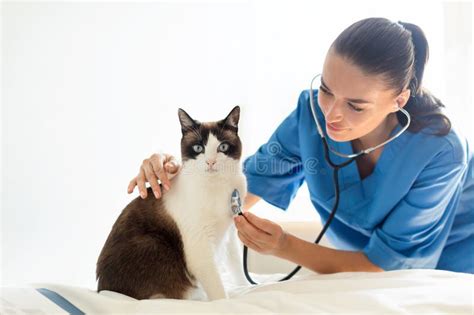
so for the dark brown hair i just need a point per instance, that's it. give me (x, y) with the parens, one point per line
(398, 52)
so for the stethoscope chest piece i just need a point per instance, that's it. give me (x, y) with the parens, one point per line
(236, 203)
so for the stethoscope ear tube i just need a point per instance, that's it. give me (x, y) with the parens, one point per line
(336, 168)
(362, 152)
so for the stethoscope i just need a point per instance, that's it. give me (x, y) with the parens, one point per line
(236, 202)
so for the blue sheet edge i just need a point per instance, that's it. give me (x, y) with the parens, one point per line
(60, 301)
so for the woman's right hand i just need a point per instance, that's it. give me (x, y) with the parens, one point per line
(160, 166)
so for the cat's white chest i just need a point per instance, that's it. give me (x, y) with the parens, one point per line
(203, 208)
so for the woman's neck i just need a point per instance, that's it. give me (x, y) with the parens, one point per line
(378, 135)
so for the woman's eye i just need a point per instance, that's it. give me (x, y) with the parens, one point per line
(323, 90)
(325, 93)
(223, 147)
(355, 108)
(198, 148)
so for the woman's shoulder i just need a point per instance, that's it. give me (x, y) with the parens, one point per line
(304, 97)
(452, 148)
(304, 104)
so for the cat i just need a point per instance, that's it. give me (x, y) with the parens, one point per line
(167, 247)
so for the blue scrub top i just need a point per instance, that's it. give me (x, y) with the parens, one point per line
(416, 209)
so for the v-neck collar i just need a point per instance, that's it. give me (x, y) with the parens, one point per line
(350, 175)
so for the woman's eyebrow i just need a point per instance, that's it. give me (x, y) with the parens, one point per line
(352, 100)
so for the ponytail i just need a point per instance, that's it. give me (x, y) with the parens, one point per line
(424, 108)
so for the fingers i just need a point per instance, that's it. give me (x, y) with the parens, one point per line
(251, 232)
(151, 178)
(170, 163)
(247, 242)
(132, 185)
(160, 167)
(252, 229)
(141, 180)
(263, 224)
(158, 171)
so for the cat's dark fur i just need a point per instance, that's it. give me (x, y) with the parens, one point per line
(143, 256)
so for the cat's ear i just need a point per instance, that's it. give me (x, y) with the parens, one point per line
(186, 121)
(232, 119)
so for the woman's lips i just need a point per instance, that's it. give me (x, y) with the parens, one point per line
(334, 128)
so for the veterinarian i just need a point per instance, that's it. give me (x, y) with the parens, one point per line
(407, 204)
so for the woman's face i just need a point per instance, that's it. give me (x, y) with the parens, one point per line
(354, 103)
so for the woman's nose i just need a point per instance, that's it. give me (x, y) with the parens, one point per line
(333, 112)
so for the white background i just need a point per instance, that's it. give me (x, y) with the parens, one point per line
(91, 89)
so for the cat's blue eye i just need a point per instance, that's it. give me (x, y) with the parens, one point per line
(223, 147)
(198, 148)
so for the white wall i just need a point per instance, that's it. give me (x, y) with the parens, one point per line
(89, 90)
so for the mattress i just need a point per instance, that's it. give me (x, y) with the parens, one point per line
(401, 291)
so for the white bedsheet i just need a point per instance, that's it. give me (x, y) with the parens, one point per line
(404, 291)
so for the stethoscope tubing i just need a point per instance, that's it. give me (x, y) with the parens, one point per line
(336, 167)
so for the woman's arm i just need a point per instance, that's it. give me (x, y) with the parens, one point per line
(323, 259)
(267, 237)
(250, 201)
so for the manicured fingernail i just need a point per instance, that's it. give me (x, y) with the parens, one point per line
(156, 193)
(166, 187)
(142, 194)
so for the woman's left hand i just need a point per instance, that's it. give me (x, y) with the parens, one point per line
(261, 235)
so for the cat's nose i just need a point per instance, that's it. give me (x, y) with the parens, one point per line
(211, 162)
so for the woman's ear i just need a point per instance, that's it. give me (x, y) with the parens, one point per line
(402, 99)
